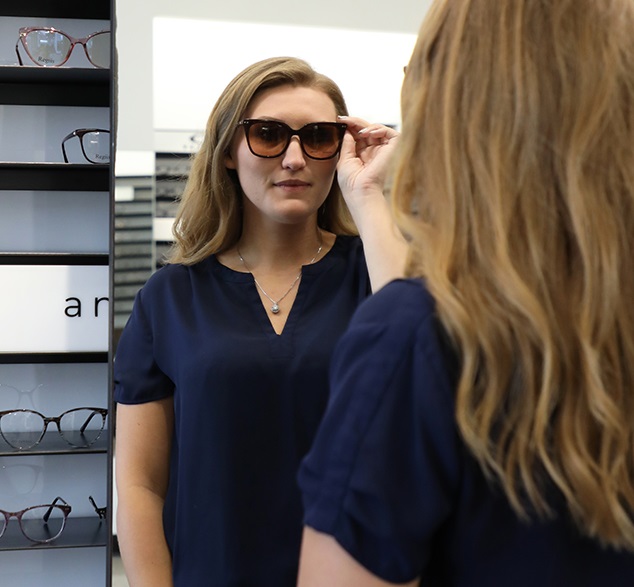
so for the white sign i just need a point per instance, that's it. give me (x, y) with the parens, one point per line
(53, 308)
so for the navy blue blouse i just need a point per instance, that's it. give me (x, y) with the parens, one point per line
(389, 477)
(247, 405)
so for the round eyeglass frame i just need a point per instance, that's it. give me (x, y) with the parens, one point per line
(64, 508)
(94, 412)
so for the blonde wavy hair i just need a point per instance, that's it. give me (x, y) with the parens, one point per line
(209, 217)
(515, 184)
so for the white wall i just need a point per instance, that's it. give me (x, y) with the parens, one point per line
(134, 41)
(371, 86)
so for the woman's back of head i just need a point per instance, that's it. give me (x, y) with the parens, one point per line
(515, 183)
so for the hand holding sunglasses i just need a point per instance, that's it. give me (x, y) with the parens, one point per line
(365, 157)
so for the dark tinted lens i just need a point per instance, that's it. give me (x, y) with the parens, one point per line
(320, 140)
(268, 139)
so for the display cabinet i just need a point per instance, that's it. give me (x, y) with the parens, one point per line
(173, 158)
(133, 242)
(56, 213)
(172, 172)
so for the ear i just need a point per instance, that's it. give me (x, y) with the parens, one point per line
(229, 162)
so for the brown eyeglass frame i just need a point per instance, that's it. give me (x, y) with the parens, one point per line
(64, 507)
(103, 412)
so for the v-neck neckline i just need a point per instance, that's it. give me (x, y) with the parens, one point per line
(259, 308)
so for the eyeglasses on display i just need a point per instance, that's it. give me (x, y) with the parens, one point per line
(39, 523)
(49, 47)
(270, 138)
(80, 427)
(95, 144)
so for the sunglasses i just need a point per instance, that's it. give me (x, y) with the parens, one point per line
(51, 47)
(270, 138)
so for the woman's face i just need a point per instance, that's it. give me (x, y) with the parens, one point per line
(290, 188)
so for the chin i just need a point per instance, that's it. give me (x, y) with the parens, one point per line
(291, 214)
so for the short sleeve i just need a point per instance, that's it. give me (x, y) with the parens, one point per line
(384, 469)
(137, 377)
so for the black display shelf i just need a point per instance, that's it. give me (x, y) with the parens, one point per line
(55, 176)
(83, 259)
(25, 90)
(79, 532)
(31, 85)
(54, 444)
(58, 9)
(49, 358)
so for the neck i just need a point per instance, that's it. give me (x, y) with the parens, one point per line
(276, 299)
(279, 251)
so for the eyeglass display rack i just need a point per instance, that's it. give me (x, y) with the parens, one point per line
(174, 150)
(133, 244)
(81, 555)
(172, 171)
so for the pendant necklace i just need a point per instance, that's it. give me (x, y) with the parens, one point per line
(275, 308)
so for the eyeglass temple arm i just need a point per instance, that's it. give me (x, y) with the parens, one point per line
(101, 512)
(17, 52)
(68, 136)
(49, 511)
(92, 415)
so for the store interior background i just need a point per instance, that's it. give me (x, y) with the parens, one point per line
(138, 103)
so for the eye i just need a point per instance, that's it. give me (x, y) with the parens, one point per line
(269, 132)
(319, 134)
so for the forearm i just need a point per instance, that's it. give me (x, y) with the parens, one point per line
(144, 552)
(384, 246)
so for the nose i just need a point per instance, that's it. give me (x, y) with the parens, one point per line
(294, 157)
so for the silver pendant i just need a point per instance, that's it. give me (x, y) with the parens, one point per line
(275, 308)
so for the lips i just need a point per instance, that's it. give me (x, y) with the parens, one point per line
(291, 183)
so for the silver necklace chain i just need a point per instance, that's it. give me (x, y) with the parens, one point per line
(275, 308)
